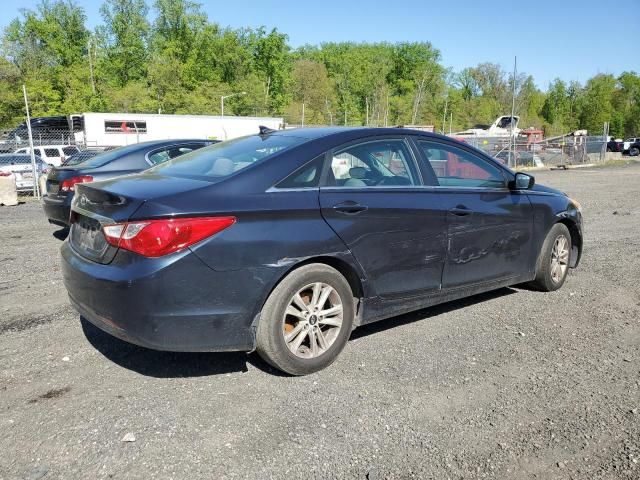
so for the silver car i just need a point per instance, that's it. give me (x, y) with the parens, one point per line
(20, 166)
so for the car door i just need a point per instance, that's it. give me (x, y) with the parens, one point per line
(372, 196)
(489, 226)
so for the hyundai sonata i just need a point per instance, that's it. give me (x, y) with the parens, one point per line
(285, 241)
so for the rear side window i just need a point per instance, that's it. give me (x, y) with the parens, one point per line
(70, 150)
(174, 151)
(307, 176)
(225, 158)
(51, 152)
(456, 167)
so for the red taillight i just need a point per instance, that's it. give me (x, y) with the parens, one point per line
(69, 184)
(5, 174)
(155, 238)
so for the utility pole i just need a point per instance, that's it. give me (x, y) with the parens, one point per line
(367, 118)
(512, 141)
(444, 116)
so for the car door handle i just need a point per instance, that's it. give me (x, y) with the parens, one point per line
(460, 211)
(350, 208)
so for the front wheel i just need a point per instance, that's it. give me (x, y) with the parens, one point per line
(306, 321)
(553, 262)
(634, 151)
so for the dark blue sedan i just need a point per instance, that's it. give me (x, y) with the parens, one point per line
(286, 241)
(88, 166)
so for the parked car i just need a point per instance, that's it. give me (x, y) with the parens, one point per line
(634, 148)
(254, 243)
(41, 127)
(80, 157)
(134, 158)
(20, 166)
(52, 154)
(614, 145)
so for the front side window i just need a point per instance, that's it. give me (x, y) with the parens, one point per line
(456, 167)
(379, 163)
(51, 152)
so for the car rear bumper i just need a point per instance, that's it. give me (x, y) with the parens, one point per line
(57, 209)
(173, 303)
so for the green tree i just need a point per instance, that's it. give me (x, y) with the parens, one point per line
(177, 25)
(311, 88)
(126, 30)
(596, 105)
(271, 60)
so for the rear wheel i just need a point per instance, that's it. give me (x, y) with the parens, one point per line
(553, 261)
(306, 321)
(634, 151)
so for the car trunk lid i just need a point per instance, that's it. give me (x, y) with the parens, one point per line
(56, 176)
(115, 201)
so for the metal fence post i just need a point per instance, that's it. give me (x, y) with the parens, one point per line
(603, 149)
(36, 184)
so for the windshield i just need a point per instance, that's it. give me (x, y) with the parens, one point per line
(225, 158)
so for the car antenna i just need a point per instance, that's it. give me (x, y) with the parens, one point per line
(266, 130)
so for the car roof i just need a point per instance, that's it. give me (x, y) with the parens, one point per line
(313, 133)
(49, 146)
(169, 141)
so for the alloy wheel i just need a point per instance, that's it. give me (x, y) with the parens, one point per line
(312, 320)
(559, 258)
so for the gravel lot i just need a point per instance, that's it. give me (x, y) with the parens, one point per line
(513, 384)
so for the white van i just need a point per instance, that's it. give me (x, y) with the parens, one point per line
(52, 154)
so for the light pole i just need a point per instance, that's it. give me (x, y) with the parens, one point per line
(227, 96)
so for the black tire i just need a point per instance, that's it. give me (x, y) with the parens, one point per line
(544, 280)
(634, 151)
(270, 341)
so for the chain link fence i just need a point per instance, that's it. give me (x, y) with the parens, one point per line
(54, 147)
(51, 148)
(558, 152)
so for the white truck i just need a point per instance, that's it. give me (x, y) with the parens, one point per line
(628, 142)
(119, 129)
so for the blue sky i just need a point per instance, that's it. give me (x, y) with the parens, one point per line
(566, 39)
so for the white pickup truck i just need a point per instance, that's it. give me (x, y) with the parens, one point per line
(628, 142)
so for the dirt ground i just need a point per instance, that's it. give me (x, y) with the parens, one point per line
(513, 384)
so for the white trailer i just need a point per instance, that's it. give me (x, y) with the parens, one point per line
(118, 129)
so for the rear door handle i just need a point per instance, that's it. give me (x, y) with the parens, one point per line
(460, 211)
(350, 208)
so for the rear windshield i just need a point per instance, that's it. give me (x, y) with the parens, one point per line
(77, 158)
(225, 158)
(106, 157)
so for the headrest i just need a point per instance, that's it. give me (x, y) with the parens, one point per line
(358, 172)
(222, 167)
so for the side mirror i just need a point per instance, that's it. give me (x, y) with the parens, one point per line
(522, 181)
